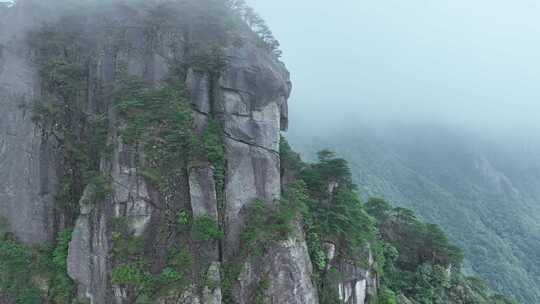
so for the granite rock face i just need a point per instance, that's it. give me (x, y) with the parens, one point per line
(252, 91)
(87, 262)
(291, 273)
(358, 285)
(253, 104)
(27, 182)
(248, 99)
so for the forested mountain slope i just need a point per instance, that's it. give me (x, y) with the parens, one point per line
(484, 192)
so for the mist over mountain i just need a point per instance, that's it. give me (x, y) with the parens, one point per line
(145, 156)
(435, 105)
(461, 62)
(483, 192)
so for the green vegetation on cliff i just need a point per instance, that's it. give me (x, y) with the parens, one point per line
(415, 262)
(482, 191)
(85, 116)
(421, 264)
(30, 274)
(76, 127)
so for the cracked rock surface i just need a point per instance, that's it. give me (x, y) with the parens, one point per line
(249, 99)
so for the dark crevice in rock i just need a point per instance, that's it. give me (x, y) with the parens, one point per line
(237, 90)
(241, 115)
(200, 112)
(250, 143)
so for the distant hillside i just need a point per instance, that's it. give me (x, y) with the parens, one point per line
(484, 193)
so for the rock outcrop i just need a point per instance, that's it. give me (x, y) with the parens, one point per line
(356, 285)
(28, 179)
(359, 286)
(249, 100)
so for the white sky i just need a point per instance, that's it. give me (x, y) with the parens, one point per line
(460, 61)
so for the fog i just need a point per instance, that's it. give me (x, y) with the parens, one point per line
(473, 64)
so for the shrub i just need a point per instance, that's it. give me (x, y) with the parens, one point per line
(182, 219)
(16, 272)
(60, 253)
(230, 273)
(20, 265)
(386, 296)
(128, 274)
(266, 224)
(205, 228)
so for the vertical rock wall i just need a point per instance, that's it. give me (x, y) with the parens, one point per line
(249, 99)
(27, 178)
(253, 106)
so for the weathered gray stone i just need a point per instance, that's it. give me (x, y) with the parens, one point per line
(253, 89)
(249, 99)
(253, 97)
(290, 273)
(357, 285)
(259, 128)
(79, 250)
(88, 256)
(202, 189)
(212, 294)
(27, 182)
(236, 103)
(198, 87)
(372, 286)
(130, 194)
(330, 252)
(285, 271)
(252, 173)
(252, 105)
(253, 71)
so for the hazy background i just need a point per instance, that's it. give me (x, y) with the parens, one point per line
(435, 105)
(462, 62)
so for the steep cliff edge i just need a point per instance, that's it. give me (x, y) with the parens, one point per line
(143, 163)
(142, 195)
(28, 179)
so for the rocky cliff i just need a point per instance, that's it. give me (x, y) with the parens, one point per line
(64, 84)
(28, 179)
(142, 163)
